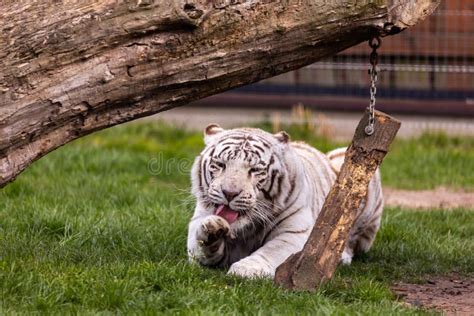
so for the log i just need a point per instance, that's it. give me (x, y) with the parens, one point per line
(69, 68)
(316, 263)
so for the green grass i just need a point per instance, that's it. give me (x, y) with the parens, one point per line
(91, 229)
(429, 161)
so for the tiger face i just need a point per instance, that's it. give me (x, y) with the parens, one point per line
(238, 172)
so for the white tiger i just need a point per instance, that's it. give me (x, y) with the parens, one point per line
(258, 196)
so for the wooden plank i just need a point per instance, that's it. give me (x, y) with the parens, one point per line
(321, 254)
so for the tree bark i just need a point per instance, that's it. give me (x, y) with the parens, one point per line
(316, 263)
(69, 68)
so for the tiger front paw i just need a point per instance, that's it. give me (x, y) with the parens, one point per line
(251, 269)
(213, 228)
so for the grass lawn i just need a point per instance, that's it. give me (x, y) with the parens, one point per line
(100, 226)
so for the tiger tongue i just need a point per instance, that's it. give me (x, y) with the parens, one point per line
(226, 213)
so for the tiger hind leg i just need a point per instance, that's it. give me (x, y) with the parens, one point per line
(360, 242)
(361, 238)
(346, 257)
(356, 244)
(366, 238)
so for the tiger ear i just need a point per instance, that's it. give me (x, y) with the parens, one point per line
(210, 131)
(282, 137)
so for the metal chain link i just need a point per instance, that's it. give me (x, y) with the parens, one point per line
(374, 43)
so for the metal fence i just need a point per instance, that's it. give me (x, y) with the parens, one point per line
(431, 61)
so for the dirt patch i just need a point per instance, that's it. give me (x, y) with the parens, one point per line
(453, 295)
(438, 198)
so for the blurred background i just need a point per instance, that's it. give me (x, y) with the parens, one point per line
(426, 79)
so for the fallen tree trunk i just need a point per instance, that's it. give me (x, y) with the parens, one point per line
(69, 68)
(316, 263)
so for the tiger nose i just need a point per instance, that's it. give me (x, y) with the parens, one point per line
(230, 195)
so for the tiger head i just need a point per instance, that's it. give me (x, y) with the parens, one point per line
(240, 173)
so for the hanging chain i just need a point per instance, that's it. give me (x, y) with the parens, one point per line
(374, 43)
